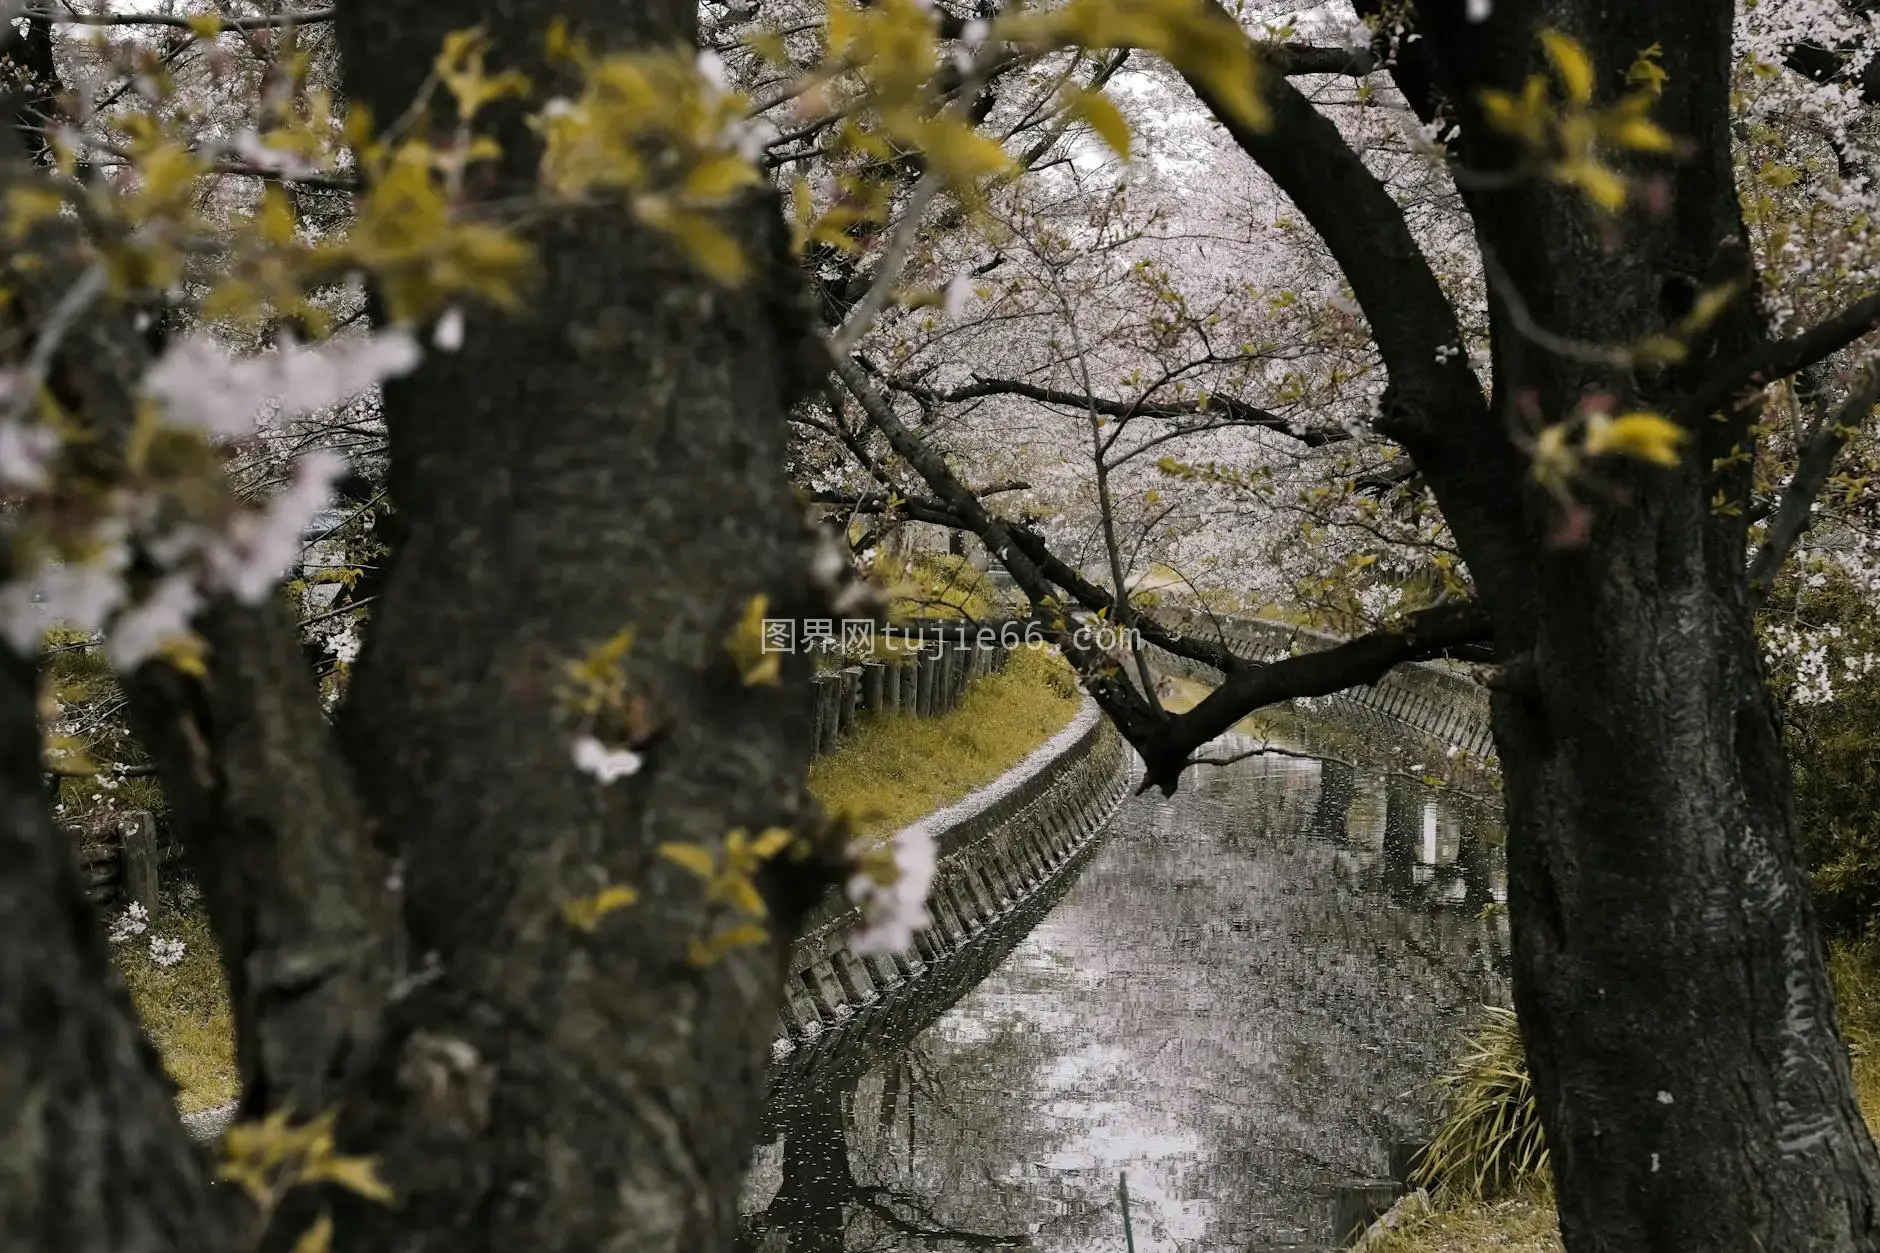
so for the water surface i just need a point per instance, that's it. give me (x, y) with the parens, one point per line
(1239, 1000)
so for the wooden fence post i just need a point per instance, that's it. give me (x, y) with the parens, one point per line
(137, 860)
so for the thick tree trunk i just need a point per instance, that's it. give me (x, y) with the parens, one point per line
(1667, 970)
(1668, 975)
(612, 458)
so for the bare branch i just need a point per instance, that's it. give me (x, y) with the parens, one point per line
(1795, 513)
(273, 21)
(1431, 633)
(1782, 358)
(1237, 412)
(1298, 59)
(1132, 714)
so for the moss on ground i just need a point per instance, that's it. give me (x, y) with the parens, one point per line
(899, 767)
(184, 1006)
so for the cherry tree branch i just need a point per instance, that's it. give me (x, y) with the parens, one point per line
(1434, 632)
(272, 21)
(1300, 59)
(1237, 412)
(1782, 358)
(1166, 743)
(1795, 514)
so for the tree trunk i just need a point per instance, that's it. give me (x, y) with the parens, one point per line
(92, 1157)
(612, 458)
(1668, 975)
(1667, 970)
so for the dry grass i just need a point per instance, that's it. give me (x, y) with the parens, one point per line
(1522, 1222)
(185, 1007)
(1855, 970)
(900, 767)
(1489, 1141)
(940, 585)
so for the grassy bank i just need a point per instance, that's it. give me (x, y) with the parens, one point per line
(895, 769)
(184, 1004)
(899, 767)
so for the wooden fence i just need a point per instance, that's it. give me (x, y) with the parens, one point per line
(123, 855)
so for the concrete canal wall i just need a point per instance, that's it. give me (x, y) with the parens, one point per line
(998, 848)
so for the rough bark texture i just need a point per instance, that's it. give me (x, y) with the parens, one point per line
(612, 459)
(301, 899)
(1669, 978)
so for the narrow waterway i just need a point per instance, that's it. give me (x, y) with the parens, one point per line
(1239, 1000)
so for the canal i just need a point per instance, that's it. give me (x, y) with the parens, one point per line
(1239, 999)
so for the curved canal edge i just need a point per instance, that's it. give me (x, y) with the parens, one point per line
(999, 847)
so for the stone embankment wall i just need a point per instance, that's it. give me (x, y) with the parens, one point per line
(1440, 703)
(998, 848)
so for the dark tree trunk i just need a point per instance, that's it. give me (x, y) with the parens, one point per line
(611, 459)
(1668, 973)
(1667, 970)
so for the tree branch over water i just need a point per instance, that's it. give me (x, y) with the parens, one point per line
(1236, 412)
(1434, 632)
(1166, 743)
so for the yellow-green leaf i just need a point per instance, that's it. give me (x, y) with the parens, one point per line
(1602, 186)
(718, 177)
(317, 1238)
(741, 894)
(1100, 113)
(1646, 73)
(358, 1175)
(756, 665)
(1571, 64)
(1646, 436)
(771, 842)
(710, 247)
(1640, 135)
(707, 952)
(693, 857)
(585, 913)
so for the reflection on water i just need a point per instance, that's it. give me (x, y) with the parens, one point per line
(1240, 1000)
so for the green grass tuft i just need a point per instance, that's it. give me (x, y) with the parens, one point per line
(1489, 1141)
